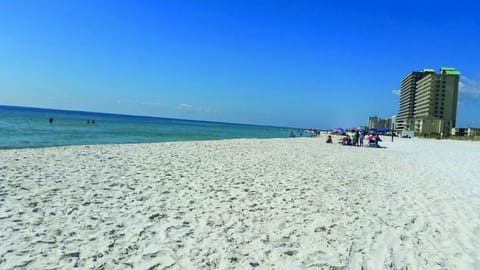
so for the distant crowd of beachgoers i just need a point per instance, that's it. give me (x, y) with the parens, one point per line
(356, 139)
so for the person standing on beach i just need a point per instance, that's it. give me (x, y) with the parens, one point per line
(355, 138)
(377, 140)
(361, 138)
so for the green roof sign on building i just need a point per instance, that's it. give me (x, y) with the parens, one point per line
(449, 71)
(452, 72)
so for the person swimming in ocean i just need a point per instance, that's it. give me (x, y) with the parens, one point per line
(50, 120)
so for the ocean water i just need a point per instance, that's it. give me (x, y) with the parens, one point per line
(22, 127)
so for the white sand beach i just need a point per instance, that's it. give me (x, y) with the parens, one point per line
(242, 204)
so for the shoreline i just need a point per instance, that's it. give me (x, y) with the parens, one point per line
(135, 143)
(322, 137)
(241, 203)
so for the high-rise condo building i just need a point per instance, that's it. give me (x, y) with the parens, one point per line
(408, 90)
(428, 101)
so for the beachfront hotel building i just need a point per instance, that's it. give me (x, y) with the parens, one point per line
(408, 89)
(428, 102)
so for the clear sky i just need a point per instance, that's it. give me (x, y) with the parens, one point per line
(316, 64)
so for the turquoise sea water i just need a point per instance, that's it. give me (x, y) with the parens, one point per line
(22, 127)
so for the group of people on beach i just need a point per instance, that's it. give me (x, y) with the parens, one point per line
(358, 138)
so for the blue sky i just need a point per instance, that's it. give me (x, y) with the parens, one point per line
(287, 63)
